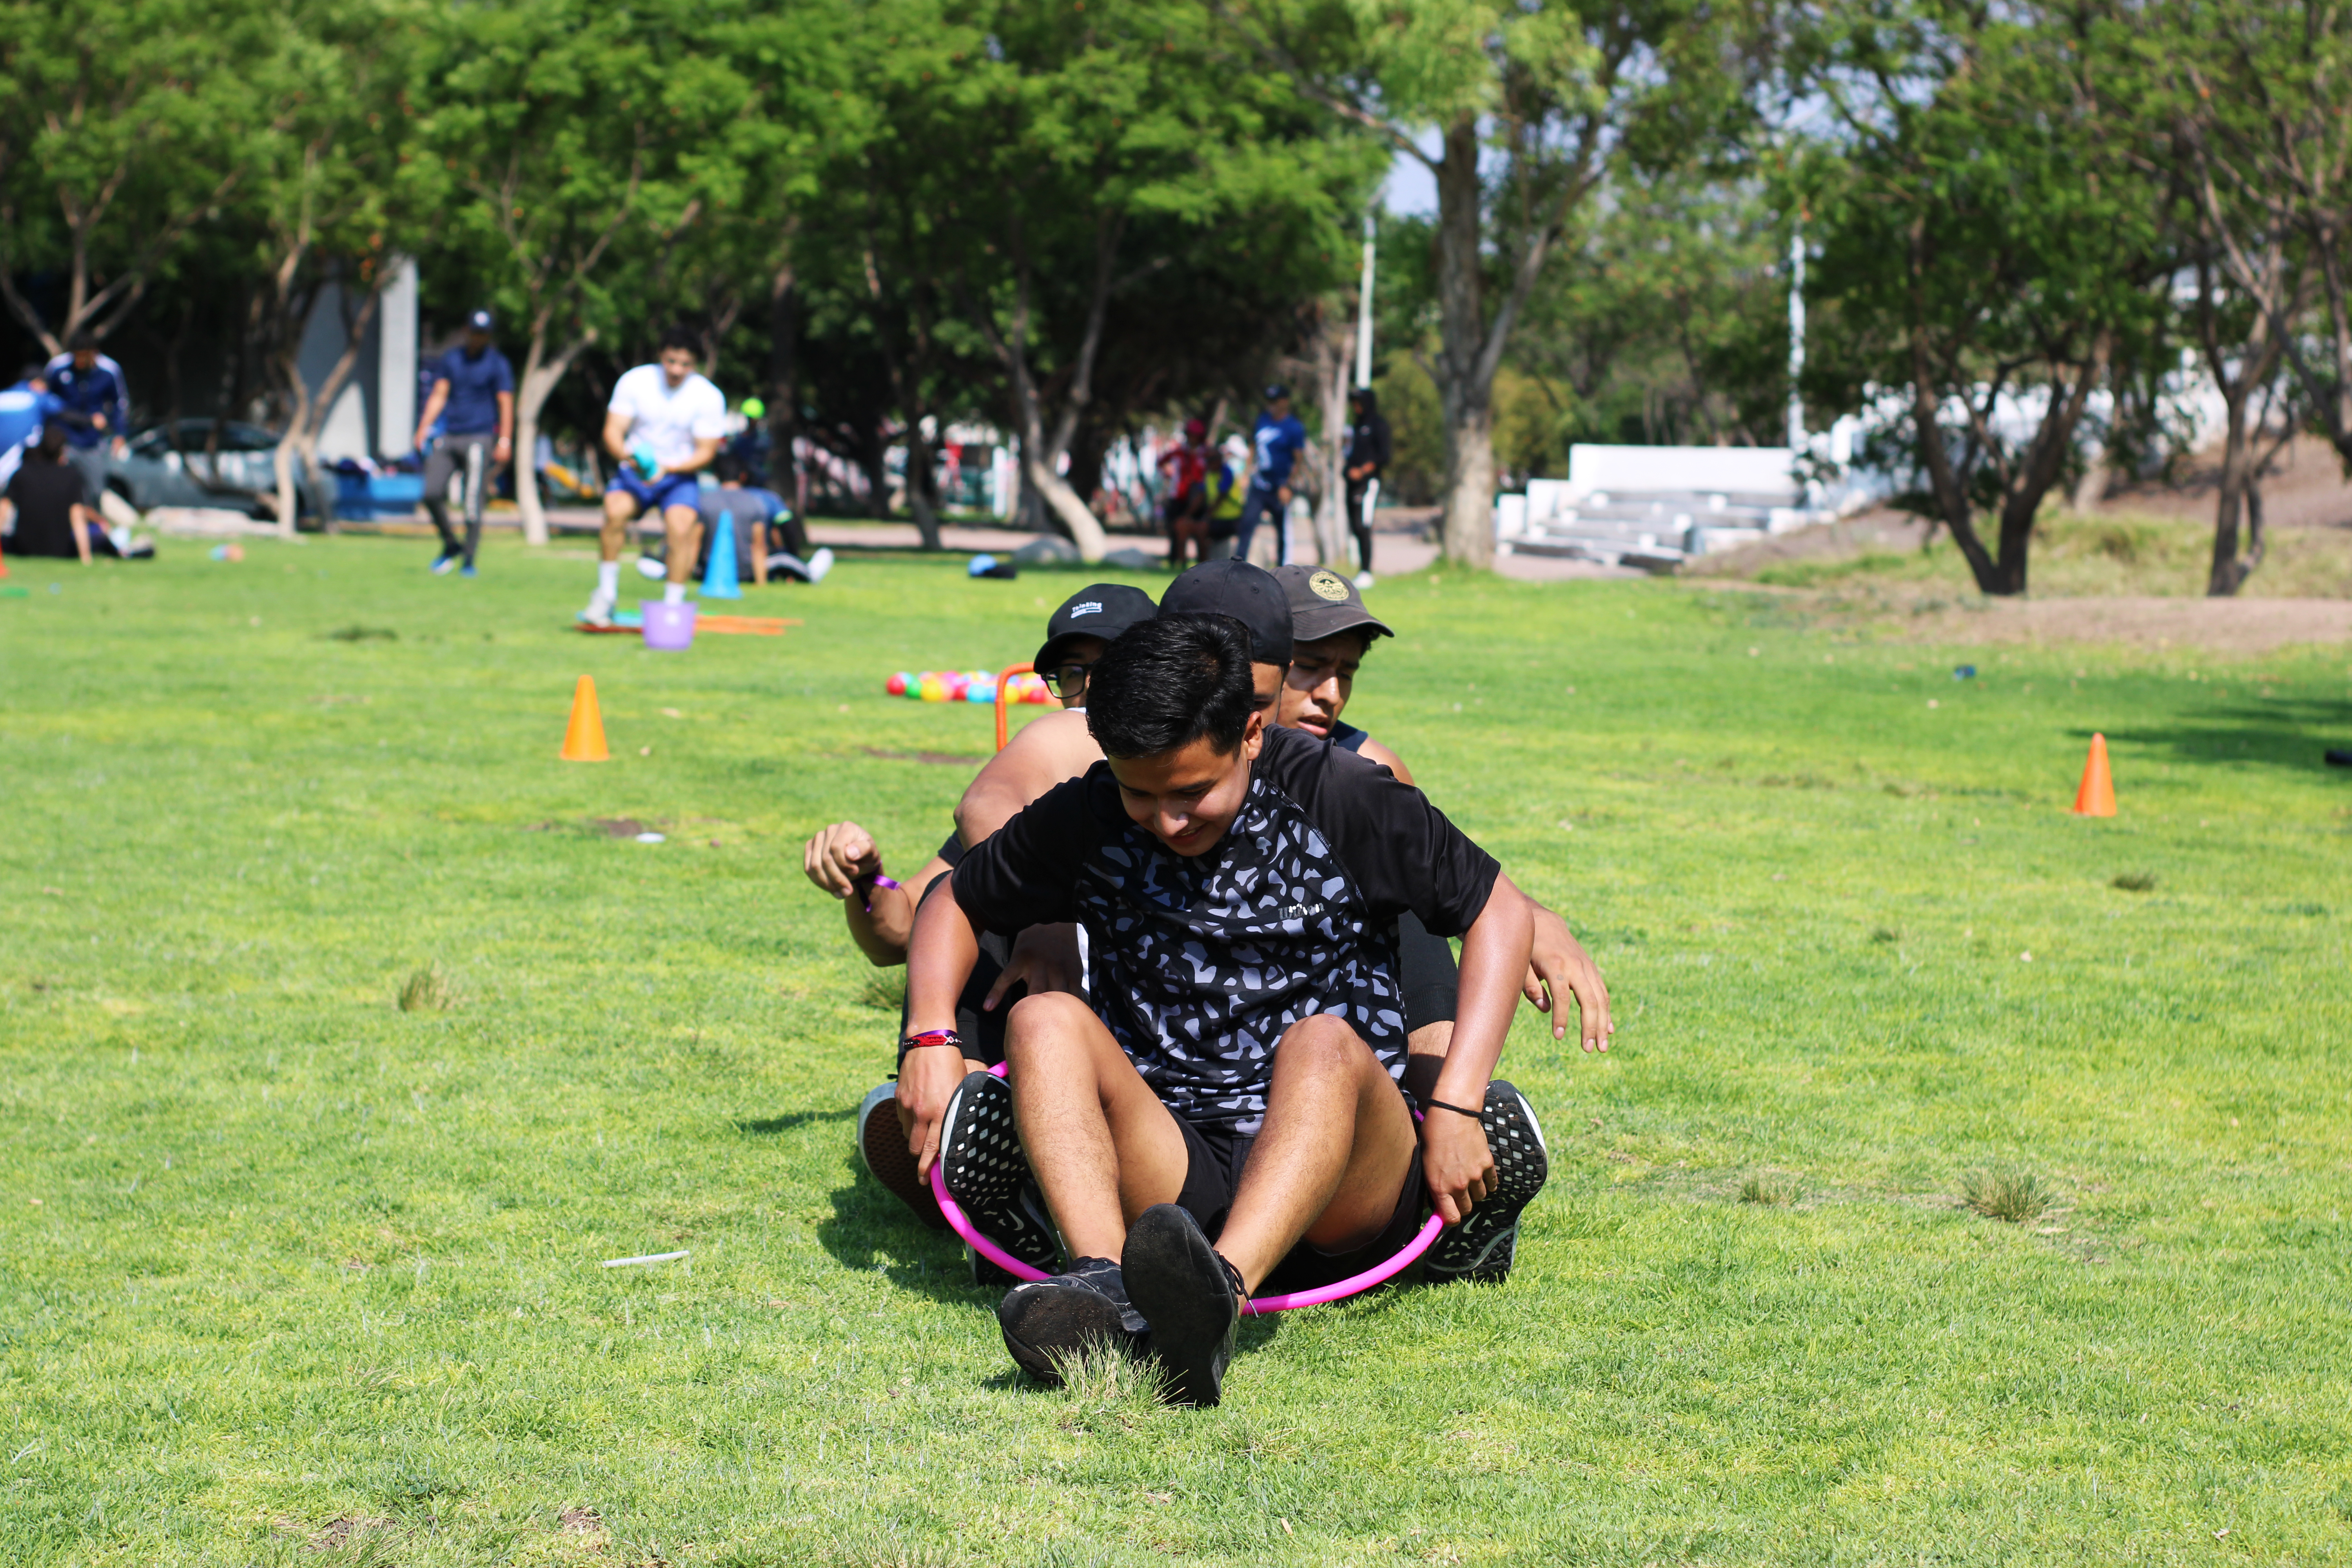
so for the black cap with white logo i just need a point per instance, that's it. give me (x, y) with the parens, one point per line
(1323, 605)
(1098, 610)
(1246, 592)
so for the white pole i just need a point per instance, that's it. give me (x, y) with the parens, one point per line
(395, 364)
(1364, 313)
(1796, 339)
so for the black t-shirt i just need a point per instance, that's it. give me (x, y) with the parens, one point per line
(1200, 963)
(1368, 442)
(46, 494)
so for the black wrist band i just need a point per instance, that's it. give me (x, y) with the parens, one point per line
(1441, 1105)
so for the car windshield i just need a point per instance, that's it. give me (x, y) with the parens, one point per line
(192, 435)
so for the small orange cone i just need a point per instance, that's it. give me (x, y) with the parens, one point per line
(2097, 796)
(583, 738)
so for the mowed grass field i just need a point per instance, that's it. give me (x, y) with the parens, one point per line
(290, 1275)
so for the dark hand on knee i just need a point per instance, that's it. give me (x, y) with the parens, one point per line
(1456, 1160)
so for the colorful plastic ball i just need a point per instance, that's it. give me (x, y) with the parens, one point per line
(897, 685)
(979, 693)
(934, 690)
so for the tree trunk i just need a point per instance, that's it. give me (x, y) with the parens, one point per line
(540, 375)
(1331, 375)
(2228, 573)
(308, 413)
(1465, 376)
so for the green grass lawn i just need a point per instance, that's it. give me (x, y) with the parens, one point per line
(290, 1275)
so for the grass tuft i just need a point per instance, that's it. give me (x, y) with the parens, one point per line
(1771, 1192)
(364, 634)
(1105, 1388)
(2011, 1196)
(429, 990)
(2134, 881)
(1885, 934)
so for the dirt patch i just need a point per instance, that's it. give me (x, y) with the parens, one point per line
(2212, 626)
(618, 826)
(341, 1532)
(580, 1522)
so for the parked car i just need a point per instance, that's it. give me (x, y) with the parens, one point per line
(169, 465)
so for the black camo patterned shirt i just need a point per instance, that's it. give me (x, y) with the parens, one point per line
(1200, 964)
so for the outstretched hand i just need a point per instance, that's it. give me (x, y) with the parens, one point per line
(1557, 964)
(1457, 1162)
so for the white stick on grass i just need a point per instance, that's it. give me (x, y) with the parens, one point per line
(649, 1257)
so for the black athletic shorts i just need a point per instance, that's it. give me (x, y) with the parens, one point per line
(1212, 1173)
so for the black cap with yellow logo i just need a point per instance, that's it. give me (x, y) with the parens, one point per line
(1323, 603)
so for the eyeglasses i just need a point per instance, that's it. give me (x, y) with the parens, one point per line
(1066, 681)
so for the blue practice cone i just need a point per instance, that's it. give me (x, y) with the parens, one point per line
(720, 580)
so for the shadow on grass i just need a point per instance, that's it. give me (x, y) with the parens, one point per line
(769, 1126)
(2287, 733)
(870, 1230)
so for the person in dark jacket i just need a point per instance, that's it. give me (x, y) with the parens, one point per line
(1368, 459)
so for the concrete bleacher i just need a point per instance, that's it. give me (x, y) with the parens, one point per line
(1655, 506)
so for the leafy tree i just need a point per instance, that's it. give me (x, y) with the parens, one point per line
(578, 141)
(2261, 110)
(123, 126)
(1991, 229)
(1517, 111)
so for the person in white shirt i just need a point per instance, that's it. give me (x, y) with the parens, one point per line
(662, 428)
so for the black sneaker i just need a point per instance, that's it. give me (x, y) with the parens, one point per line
(1482, 1248)
(882, 1145)
(986, 1172)
(1190, 1295)
(1053, 1319)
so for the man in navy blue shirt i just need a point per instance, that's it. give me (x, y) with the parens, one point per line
(473, 398)
(1277, 441)
(90, 387)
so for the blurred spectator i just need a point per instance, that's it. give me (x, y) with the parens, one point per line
(90, 385)
(472, 403)
(767, 534)
(24, 410)
(47, 515)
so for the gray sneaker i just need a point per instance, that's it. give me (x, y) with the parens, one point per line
(882, 1147)
(1483, 1247)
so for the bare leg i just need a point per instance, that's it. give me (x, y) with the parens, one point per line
(683, 527)
(620, 510)
(1101, 1145)
(1337, 1145)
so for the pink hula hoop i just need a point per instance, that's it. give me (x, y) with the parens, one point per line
(1256, 1306)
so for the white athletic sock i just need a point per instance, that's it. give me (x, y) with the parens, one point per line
(674, 594)
(608, 580)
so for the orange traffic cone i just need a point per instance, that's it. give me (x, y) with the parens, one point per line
(2097, 798)
(583, 738)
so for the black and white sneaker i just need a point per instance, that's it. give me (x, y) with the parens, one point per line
(882, 1147)
(985, 1172)
(1047, 1321)
(1482, 1248)
(1190, 1295)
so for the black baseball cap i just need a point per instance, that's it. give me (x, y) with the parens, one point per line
(1276, 392)
(1246, 592)
(1323, 603)
(1098, 610)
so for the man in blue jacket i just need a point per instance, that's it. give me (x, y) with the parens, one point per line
(90, 387)
(1277, 441)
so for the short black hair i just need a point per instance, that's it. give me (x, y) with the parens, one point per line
(52, 446)
(1163, 684)
(679, 338)
(728, 468)
(81, 343)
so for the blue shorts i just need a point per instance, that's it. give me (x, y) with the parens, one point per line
(658, 495)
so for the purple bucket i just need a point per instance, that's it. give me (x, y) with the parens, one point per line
(668, 629)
